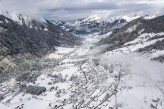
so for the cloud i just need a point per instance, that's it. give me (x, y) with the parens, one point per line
(75, 8)
(134, 63)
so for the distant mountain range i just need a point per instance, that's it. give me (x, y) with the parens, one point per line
(90, 25)
(95, 24)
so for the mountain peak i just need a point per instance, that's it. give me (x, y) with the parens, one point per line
(93, 17)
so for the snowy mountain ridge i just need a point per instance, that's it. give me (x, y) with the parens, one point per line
(91, 24)
(30, 22)
(17, 17)
(96, 24)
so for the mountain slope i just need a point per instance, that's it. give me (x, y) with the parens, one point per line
(139, 35)
(21, 42)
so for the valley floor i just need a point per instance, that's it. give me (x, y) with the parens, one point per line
(81, 78)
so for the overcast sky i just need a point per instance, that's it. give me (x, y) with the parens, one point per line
(72, 9)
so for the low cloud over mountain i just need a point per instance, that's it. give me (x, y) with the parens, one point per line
(64, 9)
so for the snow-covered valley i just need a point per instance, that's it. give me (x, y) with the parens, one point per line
(81, 54)
(83, 77)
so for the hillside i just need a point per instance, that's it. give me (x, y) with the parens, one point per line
(20, 42)
(140, 35)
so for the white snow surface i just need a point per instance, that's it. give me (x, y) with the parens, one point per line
(131, 29)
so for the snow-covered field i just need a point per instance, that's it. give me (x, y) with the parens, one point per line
(81, 79)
